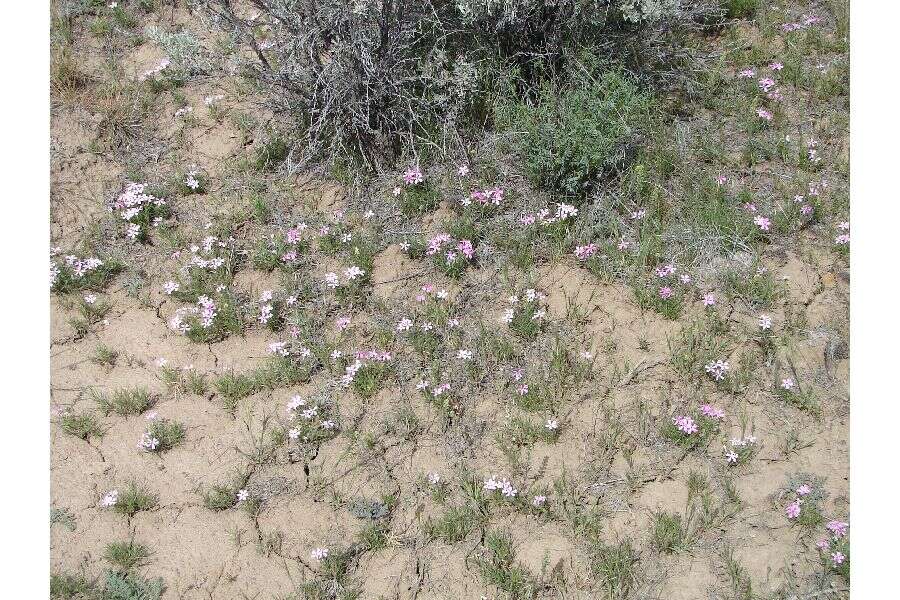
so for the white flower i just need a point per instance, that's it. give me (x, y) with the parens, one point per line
(319, 554)
(242, 495)
(110, 498)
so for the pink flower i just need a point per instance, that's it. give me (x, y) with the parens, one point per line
(837, 528)
(710, 411)
(465, 246)
(837, 558)
(685, 425)
(776, 66)
(793, 509)
(413, 176)
(709, 299)
(822, 545)
(804, 490)
(764, 223)
(764, 114)
(585, 252)
(665, 292)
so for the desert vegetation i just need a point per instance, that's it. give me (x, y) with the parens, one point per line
(394, 299)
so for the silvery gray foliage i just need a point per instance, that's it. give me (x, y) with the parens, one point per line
(505, 13)
(377, 77)
(186, 55)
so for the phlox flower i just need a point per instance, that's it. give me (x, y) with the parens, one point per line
(718, 369)
(711, 412)
(109, 499)
(413, 176)
(685, 425)
(585, 252)
(764, 223)
(793, 509)
(837, 528)
(353, 272)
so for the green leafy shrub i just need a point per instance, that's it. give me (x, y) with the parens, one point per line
(574, 136)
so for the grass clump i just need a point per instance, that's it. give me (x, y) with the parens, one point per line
(125, 556)
(124, 401)
(104, 355)
(499, 568)
(82, 426)
(455, 525)
(668, 532)
(614, 566)
(134, 499)
(162, 435)
(72, 274)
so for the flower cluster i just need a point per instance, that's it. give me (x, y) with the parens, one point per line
(311, 420)
(281, 251)
(843, 237)
(546, 217)
(685, 425)
(740, 450)
(835, 549)
(365, 373)
(718, 369)
(413, 176)
(802, 494)
(526, 314)
(806, 23)
(72, 268)
(488, 197)
(139, 210)
(451, 256)
(503, 485)
(193, 179)
(148, 443)
(691, 431)
(353, 275)
(585, 252)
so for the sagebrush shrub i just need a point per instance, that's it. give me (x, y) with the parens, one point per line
(372, 79)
